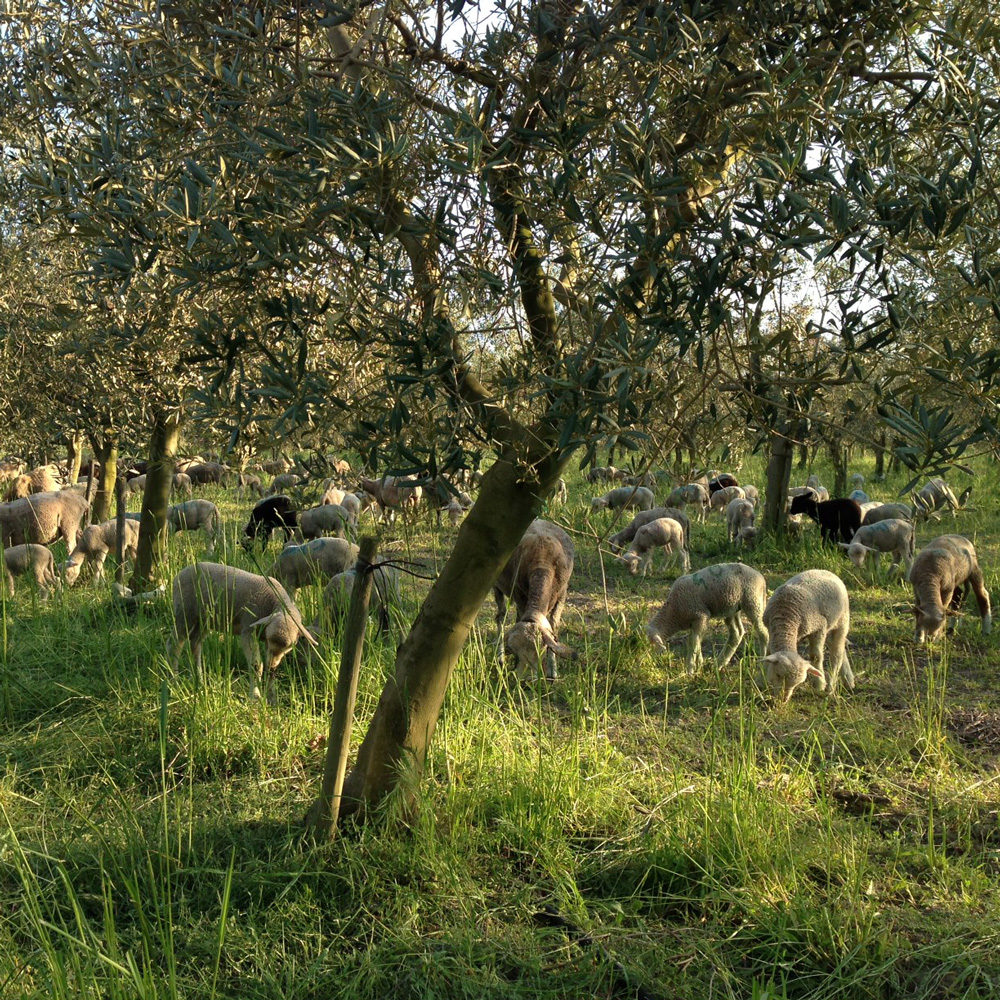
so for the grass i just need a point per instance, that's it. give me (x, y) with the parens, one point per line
(150, 839)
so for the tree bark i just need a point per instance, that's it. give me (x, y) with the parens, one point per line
(106, 453)
(779, 471)
(156, 499)
(839, 457)
(880, 456)
(74, 455)
(396, 745)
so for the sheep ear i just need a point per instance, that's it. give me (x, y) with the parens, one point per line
(951, 613)
(813, 672)
(557, 647)
(262, 622)
(844, 545)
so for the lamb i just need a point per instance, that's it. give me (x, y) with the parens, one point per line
(536, 578)
(751, 493)
(44, 479)
(739, 515)
(624, 498)
(931, 498)
(620, 539)
(268, 514)
(180, 481)
(246, 482)
(327, 519)
(352, 504)
(286, 481)
(94, 544)
(321, 558)
(385, 592)
(722, 498)
(43, 518)
(393, 494)
(691, 493)
(137, 484)
(811, 607)
(858, 495)
(210, 596)
(663, 533)
(194, 514)
(720, 591)
(885, 511)
(598, 474)
(332, 494)
(857, 480)
(939, 573)
(891, 535)
(201, 473)
(34, 559)
(748, 536)
(833, 516)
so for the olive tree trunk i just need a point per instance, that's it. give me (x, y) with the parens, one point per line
(779, 471)
(74, 455)
(106, 452)
(156, 499)
(396, 745)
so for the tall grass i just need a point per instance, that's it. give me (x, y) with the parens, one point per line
(150, 843)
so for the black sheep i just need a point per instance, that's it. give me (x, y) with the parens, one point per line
(839, 516)
(268, 514)
(721, 483)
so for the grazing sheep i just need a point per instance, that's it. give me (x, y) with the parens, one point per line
(891, 535)
(94, 544)
(663, 533)
(210, 596)
(885, 511)
(620, 539)
(285, 481)
(34, 559)
(931, 498)
(392, 494)
(385, 592)
(942, 574)
(181, 483)
(194, 514)
(722, 498)
(332, 494)
(624, 498)
(748, 536)
(340, 466)
(841, 516)
(536, 578)
(246, 482)
(739, 515)
(268, 514)
(599, 474)
(277, 467)
(43, 518)
(811, 607)
(352, 504)
(857, 480)
(690, 493)
(44, 479)
(720, 481)
(201, 473)
(137, 484)
(321, 558)
(751, 493)
(859, 495)
(720, 591)
(326, 520)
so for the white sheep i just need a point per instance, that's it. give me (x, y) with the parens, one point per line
(857, 480)
(327, 519)
(722, 498)
(748, 537)
(811, 607)
(43, 518)
(321, 558)
(536, 578)
(691, 493)
(96, 541)
(392, 493)
(137, 484)
(752, 493)
(284, 481)
(624, 498)
(181, 483)
(620, 539)
(931, 498)
(739, 515)
(664, 533)
(194, 514)
(212, 597)
(891, 535)
(939, 573)
(34, 559)
(720, 591)
(385, 593)
(885, 511)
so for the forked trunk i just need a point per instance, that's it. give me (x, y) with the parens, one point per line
(399, 736)
(106, 452)
(74, 455)
(779, 471)
(156, 499)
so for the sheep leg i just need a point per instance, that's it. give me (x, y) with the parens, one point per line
(99, 567)
(685, 559)
(695, 656)
(10, 582)
(254, 660)
(736, 636)
(982, 599)
(817, 641)
(838, 660)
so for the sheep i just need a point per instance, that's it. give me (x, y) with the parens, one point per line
(44, 479)
(891, 535)
(748, 536)
(385, 592)
(720, 591)
(210, 596)
(663, 533)
(885, 511)
(720, 481)
(857, 480)
(811, 607)
(327, 519)
(268, 514)
(298, 565)
(939, 573)
(94, 544)
(561, 492)
(393, 494)
(332, 494)
(42, 518)
(194, 514)
(180, 481)
(833, 516)
(931, 498)
(624, 498)
(286, 481)
(721, 498)
(246, 482)
(352, 504)
(690, 493)
(647, 479)
(341, 466)
(34, 559)
(536, 578)
(620, 539)
(739, 515)
(201, 473)
(277, 467)
(751, 493)
(597, 474)
(859, 495)
(137, 484)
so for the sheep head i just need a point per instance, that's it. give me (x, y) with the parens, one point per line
(598, 503)
(631, 559)
(930, 621)
(786, 670)
(71, 569)
(527, 640)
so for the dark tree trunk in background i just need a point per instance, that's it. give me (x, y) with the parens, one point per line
(779, 472)
(802, 434)
(840, 457)
(106, 453)
(880, 455)
(156, 499)
(74, 455)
